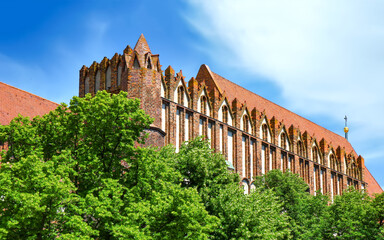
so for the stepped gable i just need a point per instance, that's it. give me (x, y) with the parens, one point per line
(373, 186)
(14, 101)
(271, 109)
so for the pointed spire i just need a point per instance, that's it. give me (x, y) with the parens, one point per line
(142, 46)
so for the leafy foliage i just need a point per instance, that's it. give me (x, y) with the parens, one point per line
(79, 173)
(353, 216)
(306, 212)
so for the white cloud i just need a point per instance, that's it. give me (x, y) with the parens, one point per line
(326, 56)
(329, 55)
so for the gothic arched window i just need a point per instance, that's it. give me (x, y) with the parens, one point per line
(86, 85)
(149, 65)
(119, 73)
(338, 165)
(136, 64)
(203, 104)
(283, 143)
(332, 161)
(265, 132)
(225, 114)
(108, 76)
(97, 81)
(300, 149)
(315, 155)
(245, 123)
(180, 95)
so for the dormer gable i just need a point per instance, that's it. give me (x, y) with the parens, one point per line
(265, 130)
(315, 152)
(246, 121)
(205, 76)
(283, 139)
(203, 103)
(180, 93)
(224, 113)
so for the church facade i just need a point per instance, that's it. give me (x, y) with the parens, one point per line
(254, 134)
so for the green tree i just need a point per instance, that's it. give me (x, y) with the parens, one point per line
(204, 170)
(353, 216)
(378, 204)
(254, 216)
(77, 172)
(307, 213)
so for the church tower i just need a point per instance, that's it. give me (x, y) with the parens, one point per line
(138, 72)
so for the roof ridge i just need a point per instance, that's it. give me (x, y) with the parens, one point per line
(7, 85)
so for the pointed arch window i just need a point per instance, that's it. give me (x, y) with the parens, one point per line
(108, 76)
(97, 81)
(149, 64)
(315, 155)
(338, 165)
(265, 132)
(225, 114)
(180, 95)
(86, 85)
(354, 170)
(246, 123)
(283, 143)
(136, 64)
(119, 73)
(300, 148)
(203, 104)
(332, 161)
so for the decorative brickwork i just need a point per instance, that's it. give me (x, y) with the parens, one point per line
(254, 134)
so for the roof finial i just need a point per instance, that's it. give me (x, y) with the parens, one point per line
(346, 129)
(142, 46)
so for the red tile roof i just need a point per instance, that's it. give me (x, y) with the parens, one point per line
(14, 101)
(373, 186)
(232, 91)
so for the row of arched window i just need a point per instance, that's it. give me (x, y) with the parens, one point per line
(225, 116)
(108, 79)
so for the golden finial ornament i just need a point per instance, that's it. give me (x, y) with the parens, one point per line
(346, 129)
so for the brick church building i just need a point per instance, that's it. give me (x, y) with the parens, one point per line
(254, 134)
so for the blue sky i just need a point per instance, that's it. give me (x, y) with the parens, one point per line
(320, 59)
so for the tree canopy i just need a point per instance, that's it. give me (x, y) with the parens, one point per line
(80, 172)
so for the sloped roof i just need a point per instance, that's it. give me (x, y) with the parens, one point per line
(142, 46)
(14, 101)
(271, 109)
(373, 186)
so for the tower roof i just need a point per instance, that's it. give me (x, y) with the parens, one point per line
(141, 46)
